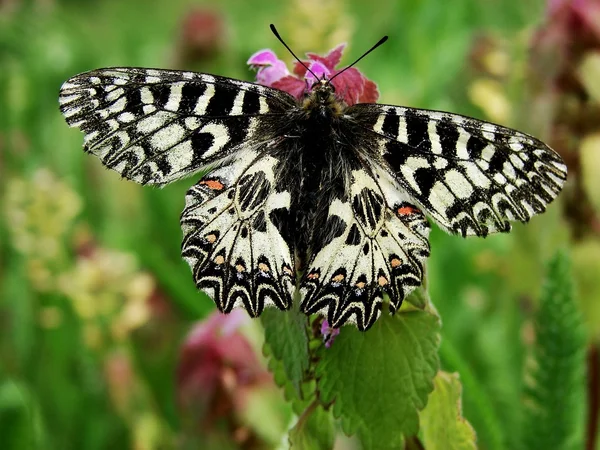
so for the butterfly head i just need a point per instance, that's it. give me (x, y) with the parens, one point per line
(321, 101)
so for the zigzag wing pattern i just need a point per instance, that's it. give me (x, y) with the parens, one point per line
(232, 226)
(472, 177)
(157, 126)
(374, 243)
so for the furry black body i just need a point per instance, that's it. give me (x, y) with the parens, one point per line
(320, 147)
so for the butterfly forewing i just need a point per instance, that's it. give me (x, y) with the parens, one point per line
(157, 126)
(471, 177)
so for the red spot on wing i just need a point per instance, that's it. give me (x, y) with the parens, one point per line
(313, 276)
(407, 210)
(214, 185)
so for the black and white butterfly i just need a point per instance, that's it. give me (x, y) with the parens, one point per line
(310, 195)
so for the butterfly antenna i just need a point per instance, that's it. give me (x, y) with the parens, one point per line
(276, 33)
(381, 41)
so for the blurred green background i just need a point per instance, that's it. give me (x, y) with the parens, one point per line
(95, 301)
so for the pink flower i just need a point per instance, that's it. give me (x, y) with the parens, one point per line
(328, 333)
(270, 69)
(571, 28)
(217, 370)
(351, 86)
(201, 35)
(581, 15)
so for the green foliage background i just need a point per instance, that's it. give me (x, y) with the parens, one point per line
(54, 389)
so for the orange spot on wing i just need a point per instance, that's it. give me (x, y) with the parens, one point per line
(338, 278)
(214, 185)
(395, 262)
(407, 210)
(313, 276)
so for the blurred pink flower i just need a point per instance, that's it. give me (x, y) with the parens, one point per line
(120, 380)
(583, 15)
(201, 36)
(571, 28)
(216, 367)
(569, 36)
(351, 86)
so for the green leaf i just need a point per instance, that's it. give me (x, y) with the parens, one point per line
(556, 395)
(381, 378)
(442, 422)
(419, 298)
(287, 338)
(299, 399)
(265, 413)
(314, 430)
(490, 431)
(21, 424)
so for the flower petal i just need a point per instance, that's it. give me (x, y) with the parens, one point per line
(264, 57)
(370, 93)
(299, 69)
(353, 87)
(332, 58)
(319, 70)
(328, 333)
(291, 85)
(270, 68)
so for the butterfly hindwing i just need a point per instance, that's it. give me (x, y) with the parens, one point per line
(472, 177)
(232, 241)
(375, 242)
(156, 126)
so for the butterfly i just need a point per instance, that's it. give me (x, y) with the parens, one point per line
(308, 197)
